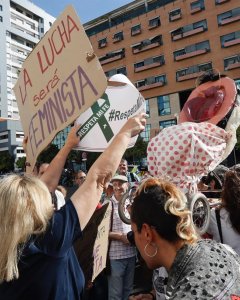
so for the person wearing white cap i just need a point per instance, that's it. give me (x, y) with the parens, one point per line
(122, 255)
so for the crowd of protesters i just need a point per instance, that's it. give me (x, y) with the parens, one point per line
(42, 225)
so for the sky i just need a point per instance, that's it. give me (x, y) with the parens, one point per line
(87, 10)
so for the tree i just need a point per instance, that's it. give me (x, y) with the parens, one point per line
(138, 152)
(6, 162)
(20, 163)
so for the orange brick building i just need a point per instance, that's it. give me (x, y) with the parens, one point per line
(163, 46)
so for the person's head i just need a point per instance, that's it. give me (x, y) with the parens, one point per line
(79, 178)
(42, 169)
(159, 212)
(25, 209)
(215, 178)
(109, 190)
(120, 185)
(231, 196)
(123, 167)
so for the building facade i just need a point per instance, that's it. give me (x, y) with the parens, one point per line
(22, 25)
(162, 46)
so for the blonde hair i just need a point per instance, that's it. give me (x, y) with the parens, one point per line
(164, 205)
(25, 209)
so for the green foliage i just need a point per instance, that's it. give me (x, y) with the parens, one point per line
(6, 162)
(138, 151)
(20, 163)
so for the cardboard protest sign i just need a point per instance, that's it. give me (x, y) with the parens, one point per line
(61, 78)
(106, 117)
(91, 249)
(101, 244)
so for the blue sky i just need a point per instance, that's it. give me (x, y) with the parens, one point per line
(86, 9)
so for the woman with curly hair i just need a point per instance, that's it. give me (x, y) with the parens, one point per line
(225, 220)
(165, 236)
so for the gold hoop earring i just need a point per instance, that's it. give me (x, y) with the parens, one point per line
(150, 255)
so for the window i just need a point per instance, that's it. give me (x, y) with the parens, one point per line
(167, 123)
(146, 133)
(147, 107)
(164, 107)
(191, 48)
(0, 7)
(197, 5)
(233, 60)
(136, 29)
(3, 137)
(118, 36)
(175, 14)
(193, 69)
(50, 24)
(160, 78)
(231, 14)
(140, 83)
(159, 59)
(102, 43)
(231, 37)
(153, 23)
(1, 18)
(138, 64)
(122, 70)
(205, 67)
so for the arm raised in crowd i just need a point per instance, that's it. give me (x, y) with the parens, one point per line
(53, 173)
(86, 198)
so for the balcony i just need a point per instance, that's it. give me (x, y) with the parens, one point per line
(117, 39)
(102, 45)
(188, 33)
(147, 44)
(136, 31)
(229, 20)
(176, 17)
(191, 54)
(151, 85)
(195, 10)
(150, 66)
(188, 76)
(232, 66)
(231, 43)
(221, 1)
(111, 59)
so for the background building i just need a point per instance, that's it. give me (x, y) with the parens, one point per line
(163, 46)
(22, 25)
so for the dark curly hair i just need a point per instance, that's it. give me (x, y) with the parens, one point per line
(231, 196)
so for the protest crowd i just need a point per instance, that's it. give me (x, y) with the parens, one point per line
(48, 232)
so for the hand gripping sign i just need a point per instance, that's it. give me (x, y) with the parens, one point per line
(106, 117)
(61, 78)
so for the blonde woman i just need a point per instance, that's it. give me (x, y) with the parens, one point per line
(165, 236)
(37, 260)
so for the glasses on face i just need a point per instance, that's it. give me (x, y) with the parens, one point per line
(82, 177)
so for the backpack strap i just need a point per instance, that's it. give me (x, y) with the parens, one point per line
(217, 212)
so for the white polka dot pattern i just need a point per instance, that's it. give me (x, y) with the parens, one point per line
(185, 152)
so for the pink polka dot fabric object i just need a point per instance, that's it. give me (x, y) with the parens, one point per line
(185, 152)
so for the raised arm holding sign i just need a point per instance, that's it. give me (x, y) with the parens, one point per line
(59, 80)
